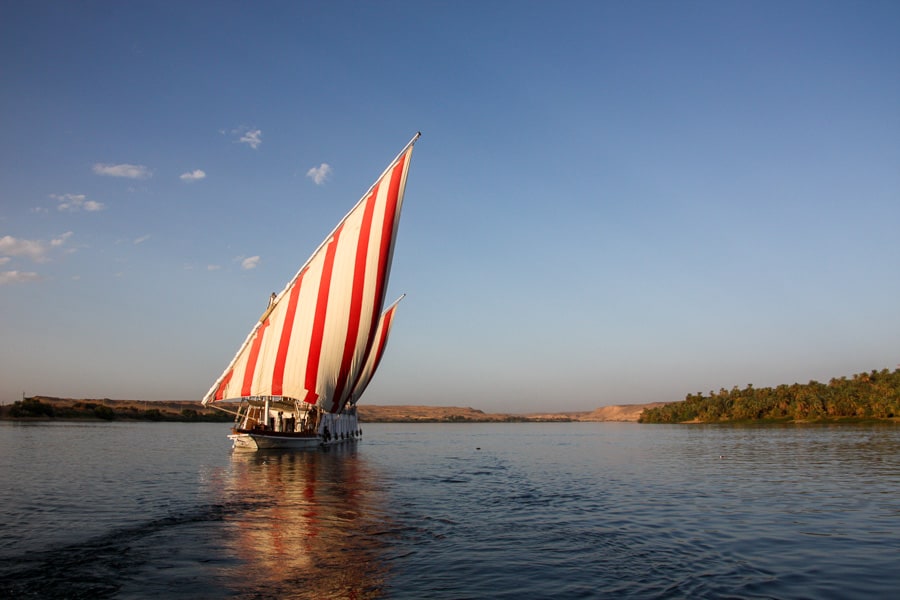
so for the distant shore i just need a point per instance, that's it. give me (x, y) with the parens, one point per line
(46, 408)
(454, 414)
(52, 408)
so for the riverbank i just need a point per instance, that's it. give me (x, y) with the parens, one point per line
(453, 414)
(47, 408)
(106, 409)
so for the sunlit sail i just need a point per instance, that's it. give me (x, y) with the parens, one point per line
(310, 356)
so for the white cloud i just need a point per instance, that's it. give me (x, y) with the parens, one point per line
(56, 242)
(141, 239)
(250, 263)
(252, 138)
(9, 277)
(36, 250)
(319, 174)
(33, 249)
(123, 170)
(213, 267)
(76, 202)
(195, 175)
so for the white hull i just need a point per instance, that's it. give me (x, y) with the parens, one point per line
(261, 441)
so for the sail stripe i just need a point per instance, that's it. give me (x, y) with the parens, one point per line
(285, 341)
(318, 331)
(381, 342)
(388, 230)
(252, 360)
(220, 393)
(356, 299)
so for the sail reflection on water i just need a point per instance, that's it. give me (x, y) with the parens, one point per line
(311, 527)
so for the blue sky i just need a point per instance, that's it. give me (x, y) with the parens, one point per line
(611, 202)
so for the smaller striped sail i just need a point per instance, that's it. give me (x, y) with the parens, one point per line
(381, 337)
(321, 338)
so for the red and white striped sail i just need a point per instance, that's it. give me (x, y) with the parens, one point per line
(314, 341)
(377, 351)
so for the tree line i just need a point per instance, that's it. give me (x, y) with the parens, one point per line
(34, 408)
(873, 395)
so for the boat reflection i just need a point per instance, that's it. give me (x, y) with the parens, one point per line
(310, 526)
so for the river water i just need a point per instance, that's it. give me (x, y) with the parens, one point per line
(572, 510)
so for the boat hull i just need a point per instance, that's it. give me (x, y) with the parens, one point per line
(259, 441)
(345, 428)
(273, 441)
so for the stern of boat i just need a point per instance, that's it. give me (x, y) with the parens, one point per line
(243, 441)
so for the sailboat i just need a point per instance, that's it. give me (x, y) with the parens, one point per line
(298, 376)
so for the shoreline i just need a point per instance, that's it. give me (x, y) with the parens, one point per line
(48, 408)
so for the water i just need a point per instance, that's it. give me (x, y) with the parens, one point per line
(578, 510)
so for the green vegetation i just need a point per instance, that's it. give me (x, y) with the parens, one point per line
(874, 395)
(104, 412)
(107, 410)
(31, 408)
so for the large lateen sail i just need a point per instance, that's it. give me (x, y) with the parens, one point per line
(321, 338)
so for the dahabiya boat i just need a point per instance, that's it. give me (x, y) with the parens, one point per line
(298, 376)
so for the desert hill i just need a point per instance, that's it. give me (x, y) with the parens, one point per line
(450, 414)
(623, 412)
